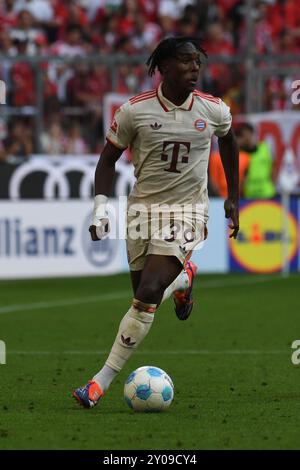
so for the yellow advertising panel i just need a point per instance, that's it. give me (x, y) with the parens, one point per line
(259, 246)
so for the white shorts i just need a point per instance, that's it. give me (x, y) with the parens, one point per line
(161, 235)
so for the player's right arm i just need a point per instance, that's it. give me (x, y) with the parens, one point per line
(104, 175)
(105, 170)
(118, 137)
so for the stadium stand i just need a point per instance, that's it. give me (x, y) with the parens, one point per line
(81, 29)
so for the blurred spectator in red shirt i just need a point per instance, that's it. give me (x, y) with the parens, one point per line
(128, 12)
(286, 43)
(22, 78)
(75, 16)
(150, 9)
(262, 30)
(87, 86)
(226, 6)
(98, 10)
(8, 16)
(218, 42)
(284, 14)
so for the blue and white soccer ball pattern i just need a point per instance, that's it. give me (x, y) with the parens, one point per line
(148, 388)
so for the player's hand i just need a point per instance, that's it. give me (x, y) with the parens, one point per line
(231, 207)
(101, 230)
(100, 227)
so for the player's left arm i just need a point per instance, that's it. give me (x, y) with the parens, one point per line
(229, 153)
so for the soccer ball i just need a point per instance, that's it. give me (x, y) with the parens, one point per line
(148, 388)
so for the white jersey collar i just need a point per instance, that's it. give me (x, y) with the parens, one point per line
(169, 106)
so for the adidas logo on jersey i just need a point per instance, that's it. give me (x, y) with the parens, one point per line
(155, 126)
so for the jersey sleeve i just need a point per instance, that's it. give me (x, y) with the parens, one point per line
(121, 130)
(225, 120)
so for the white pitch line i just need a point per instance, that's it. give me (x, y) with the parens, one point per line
(128, 294)
(65, 302)
(191, 352)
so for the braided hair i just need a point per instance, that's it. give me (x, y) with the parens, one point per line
(168, 48)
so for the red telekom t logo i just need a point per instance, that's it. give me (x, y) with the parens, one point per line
(175, 154)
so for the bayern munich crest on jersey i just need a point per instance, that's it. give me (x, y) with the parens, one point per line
(200, 124)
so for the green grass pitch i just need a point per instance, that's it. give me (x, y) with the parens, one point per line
(235, 384)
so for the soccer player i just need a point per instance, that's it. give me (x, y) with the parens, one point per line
(169, 132)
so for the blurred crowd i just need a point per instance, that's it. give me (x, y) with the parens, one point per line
(73, 91)
(257, 177)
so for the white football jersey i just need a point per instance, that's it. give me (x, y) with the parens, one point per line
(170, 145)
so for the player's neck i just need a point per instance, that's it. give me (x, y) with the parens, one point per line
(176, 97)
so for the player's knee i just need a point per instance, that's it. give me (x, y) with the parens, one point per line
(149, 292)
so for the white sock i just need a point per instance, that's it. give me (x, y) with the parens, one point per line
(180, 283)
(132, 330)
(105, 377)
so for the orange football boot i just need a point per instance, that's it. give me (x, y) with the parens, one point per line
(183, 299)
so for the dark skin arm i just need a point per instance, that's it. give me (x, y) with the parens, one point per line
(229, 153)
(104, 175)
